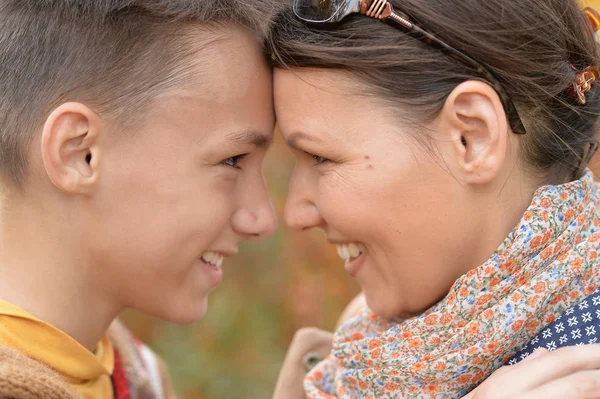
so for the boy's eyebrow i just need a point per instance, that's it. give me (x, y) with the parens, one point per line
(251, 137)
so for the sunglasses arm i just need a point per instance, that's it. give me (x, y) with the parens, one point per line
(383, 9)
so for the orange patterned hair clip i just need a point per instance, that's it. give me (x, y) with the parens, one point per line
(583, 83)
(585, 78)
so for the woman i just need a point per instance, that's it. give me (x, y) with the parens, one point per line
(418, 154)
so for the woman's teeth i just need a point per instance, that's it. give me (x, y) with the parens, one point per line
(213, 259)
(350, 251)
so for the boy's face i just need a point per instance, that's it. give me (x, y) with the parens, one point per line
(187, 188)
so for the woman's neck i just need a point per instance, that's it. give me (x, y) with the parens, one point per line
(502, 210)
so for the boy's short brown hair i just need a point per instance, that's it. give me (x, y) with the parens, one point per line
(115, 56)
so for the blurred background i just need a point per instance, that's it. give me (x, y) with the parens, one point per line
(269, 290)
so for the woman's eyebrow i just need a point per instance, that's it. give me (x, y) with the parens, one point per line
(252, 137)
(293, 138)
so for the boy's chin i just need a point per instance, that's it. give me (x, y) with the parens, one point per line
(184, 314)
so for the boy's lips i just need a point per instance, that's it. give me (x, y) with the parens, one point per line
(214, 273)
(212, 262)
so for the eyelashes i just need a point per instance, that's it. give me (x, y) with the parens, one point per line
(318, 159)
(233, 162)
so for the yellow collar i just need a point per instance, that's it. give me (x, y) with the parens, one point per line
(88, 373)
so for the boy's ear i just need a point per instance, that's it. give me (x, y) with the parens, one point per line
(478, 129)
(70, 148)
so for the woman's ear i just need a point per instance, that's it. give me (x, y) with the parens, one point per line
(70, 150)
(474, 117)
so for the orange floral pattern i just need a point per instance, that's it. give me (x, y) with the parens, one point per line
(546, 265)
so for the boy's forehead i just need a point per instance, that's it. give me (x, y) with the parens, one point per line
(252, 137)
(225, 91)
(240, 113)
(226, 68)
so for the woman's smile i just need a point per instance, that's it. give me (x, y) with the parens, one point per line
(353, 254)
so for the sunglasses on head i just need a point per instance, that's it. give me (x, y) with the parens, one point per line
(330, 11)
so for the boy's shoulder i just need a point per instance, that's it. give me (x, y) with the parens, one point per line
(22, 378)
(138, 370)
(138, 373)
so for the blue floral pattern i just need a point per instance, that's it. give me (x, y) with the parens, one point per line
(580, 325)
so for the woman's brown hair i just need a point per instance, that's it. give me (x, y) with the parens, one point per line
(530, 45)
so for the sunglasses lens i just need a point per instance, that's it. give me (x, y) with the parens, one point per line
(318, 10)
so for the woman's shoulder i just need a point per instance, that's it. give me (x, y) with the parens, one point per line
(578, 325)
(22, 378)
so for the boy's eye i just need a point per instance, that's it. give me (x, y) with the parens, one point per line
(233, 161)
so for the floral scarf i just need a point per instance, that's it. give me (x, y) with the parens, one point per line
(547, 264)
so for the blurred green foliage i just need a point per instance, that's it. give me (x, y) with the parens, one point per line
(271, 289)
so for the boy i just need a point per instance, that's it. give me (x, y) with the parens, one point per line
(131, 140)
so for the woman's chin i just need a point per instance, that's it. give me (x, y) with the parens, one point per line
(386, 309)
(378, 304)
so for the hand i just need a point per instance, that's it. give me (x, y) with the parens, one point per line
(291, 377)
(568, 373)
(356, 305)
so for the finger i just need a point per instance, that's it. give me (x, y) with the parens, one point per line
(310, 339)
(312, 334)
(580, 385)
(470, 395)
(507, 369)
(564, 361)
(542, 369)
(536, 354)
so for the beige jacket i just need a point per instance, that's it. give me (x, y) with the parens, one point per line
(25, 378)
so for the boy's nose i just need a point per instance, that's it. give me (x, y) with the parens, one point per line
(257, 223)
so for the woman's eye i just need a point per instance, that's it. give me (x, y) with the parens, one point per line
(318, 159)
(233, 161)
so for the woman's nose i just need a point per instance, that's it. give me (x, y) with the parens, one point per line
(300, 211)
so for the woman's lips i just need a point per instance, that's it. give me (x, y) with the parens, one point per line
(353, 255)
(352, 266)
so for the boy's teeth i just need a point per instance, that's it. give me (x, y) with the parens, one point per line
(339, 251)
(350, 251)
(353, 249)
(345, 252)
(213, 259)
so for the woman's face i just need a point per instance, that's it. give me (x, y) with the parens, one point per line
(399, 219)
